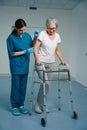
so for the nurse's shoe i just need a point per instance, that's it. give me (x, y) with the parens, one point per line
(16, 112)
(37, 108)
(23, 110)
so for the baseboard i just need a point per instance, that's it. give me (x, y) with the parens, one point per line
(62, 76)
(5, 74)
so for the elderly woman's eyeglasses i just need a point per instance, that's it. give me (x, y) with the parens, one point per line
(51, 29)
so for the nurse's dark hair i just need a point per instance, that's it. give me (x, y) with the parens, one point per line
(50, 21)
(19, 23)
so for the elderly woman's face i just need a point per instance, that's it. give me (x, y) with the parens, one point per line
(51, 28)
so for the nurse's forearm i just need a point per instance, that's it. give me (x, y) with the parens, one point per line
(18, 53)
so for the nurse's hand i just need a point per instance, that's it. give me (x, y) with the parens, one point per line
(28, 51)
(35, 35)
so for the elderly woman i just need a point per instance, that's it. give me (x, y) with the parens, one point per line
(45, 48)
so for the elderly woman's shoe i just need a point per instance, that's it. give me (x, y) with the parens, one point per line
(37, 108)
(45, 109)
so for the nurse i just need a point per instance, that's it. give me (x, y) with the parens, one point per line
(19, 47)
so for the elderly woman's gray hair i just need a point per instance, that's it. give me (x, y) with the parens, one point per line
(50, 21)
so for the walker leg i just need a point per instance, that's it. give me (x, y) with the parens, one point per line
(44, 119)
(71, 100)
(65, 69)
(59, 107)
(32, 94)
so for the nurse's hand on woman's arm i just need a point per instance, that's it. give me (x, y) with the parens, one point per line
(28, 51)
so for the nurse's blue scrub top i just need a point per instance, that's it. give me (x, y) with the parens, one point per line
(15, 43)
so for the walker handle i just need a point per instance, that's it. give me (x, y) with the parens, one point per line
(65, 66)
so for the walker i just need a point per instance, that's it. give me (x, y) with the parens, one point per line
(61, 69)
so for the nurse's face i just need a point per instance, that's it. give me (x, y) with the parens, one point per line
(21, 31)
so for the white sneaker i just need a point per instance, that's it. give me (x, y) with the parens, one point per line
(37, 108)
(45, 109)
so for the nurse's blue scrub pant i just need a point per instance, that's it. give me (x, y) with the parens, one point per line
(18, 89)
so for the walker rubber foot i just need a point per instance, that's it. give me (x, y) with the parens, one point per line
(30, 113)
(59, 109)
(75, 115)
(43, 122)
